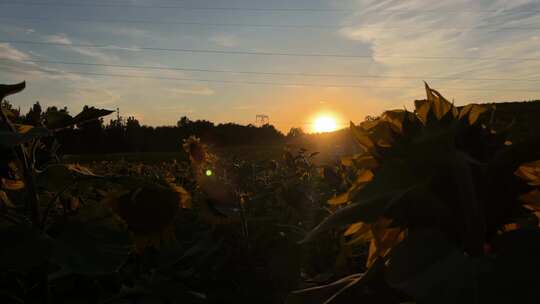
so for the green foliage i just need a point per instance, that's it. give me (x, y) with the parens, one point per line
(439, 207)
(9, 139)
(87, 240)
(93, 241)
(23, 247)
(117, 231)
(56, 120)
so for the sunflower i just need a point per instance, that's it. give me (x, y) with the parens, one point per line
(198, 152)
(439, 167)
(149, 210)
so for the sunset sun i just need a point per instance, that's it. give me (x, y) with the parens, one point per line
(324, 124)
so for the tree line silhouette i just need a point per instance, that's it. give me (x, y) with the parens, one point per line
(128, 135)
(123, 135)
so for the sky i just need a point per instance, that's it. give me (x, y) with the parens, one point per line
(347, 59)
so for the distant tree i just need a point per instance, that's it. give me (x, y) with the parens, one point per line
(128, 135)
(183, 122)
(115, 134)
(34, 114)
(134, 136)
(6, 105)
(55, 109)
(132, 123)
(295, 132)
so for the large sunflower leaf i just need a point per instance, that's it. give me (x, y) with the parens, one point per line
(396, 175)
(361, 161)
(10, 89)
(361, 138)
(515, 275)
(93, 242)
(90, 113)
(383, 133)
(23, 247)
(385, 237)
(367, 209)
(10, 139)
(56, 177)
(436, 273)
(363, 178)
(60, 119)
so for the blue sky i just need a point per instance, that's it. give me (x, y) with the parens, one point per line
(387, 33)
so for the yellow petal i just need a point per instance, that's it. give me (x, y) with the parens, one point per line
(475, 113)
(361, 138)
(422, 111)
(384, 239)
(4, 199)
(22, 128)
(11, 184)
(355, 228)
(532, 199)
(339, 199)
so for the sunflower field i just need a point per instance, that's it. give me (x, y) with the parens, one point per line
(440, 205)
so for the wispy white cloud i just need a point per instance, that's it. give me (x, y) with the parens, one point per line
(16, 63)
(9, 52)
(59, 38)
(182, 108)
(244, 107)
(96, 54)
(419, 28)
(205, 91)
(385, 30)
(128, 31)
(86, 51)
(225, 40)
(102, 97)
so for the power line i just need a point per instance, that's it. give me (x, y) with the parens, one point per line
(284, 84)
(265, 9)
(256, 25)
(209, 24)
(304, 74)
(286, 54)
(179, 7)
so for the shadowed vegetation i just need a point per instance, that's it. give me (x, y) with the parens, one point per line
(438, 205)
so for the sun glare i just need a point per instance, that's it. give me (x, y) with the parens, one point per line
(324, 124)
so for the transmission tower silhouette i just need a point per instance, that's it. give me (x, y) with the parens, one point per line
(262, 119)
